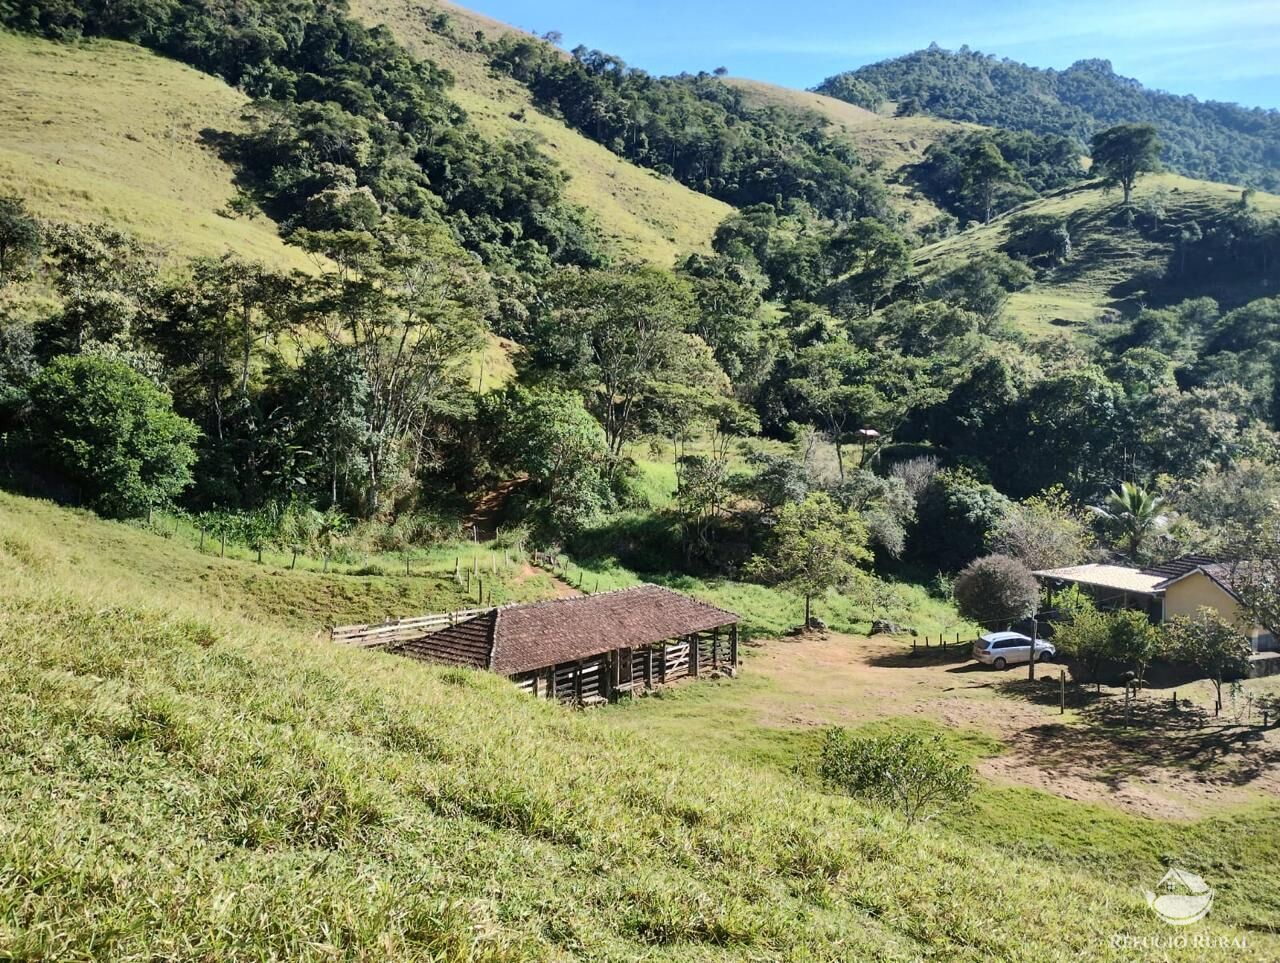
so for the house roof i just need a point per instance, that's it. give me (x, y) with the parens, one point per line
(1183, 565)
(1220, 573)
(1117, 577)
(520, 638)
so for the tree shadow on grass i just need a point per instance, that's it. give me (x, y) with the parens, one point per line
(923, 658)
(1146, 738)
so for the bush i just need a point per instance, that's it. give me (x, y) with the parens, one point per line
(996, 589)
(914, 775)
(1210, 644)
(112, 433)
(955, 514)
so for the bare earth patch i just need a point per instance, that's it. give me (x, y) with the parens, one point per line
(1170, 763)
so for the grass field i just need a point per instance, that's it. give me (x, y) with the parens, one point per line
(183, 778)
(1107, 256)
(1109, 800)
(647, 216)
(107, 132)
(302, 598)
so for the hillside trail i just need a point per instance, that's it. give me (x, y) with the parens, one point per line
(489, 509)
(484, 520)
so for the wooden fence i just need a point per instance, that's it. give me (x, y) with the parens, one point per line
(398, 630)
(940, 645)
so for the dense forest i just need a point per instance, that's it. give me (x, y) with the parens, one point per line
(978, 174)
(695, 129)
(804, 361)
(1207, 139)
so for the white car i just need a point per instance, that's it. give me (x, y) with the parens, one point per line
(1006, 648)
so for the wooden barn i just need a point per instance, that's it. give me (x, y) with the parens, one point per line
(591, 648)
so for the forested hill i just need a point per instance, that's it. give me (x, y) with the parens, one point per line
(1207, 139)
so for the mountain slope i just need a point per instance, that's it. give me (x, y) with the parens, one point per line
(186, 783)
(887, 142)
(1210, 140)
(1115, 267)
(105, 131)
(648, 216)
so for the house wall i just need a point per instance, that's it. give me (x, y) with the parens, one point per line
(1187, 596)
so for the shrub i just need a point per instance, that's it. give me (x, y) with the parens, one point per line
(112, 433)
(912, 774)
(996, 589)
(1215, 647)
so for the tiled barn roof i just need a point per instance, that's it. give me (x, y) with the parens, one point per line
(520, 638)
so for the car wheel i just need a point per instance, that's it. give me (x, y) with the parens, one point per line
(999, 663)
(1044, 657)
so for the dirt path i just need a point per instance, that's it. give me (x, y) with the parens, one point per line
(1168, 763)
(484, 516)
(562, 590)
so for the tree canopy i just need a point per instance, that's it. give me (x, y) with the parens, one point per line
(112, 433)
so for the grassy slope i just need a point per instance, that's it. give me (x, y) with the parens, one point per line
(302, 599)
(649, 217)
(182, 781)
(772, 716)
(1107, 256)
(109, 132)
(889, 142)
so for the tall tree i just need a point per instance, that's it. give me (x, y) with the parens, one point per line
(213, 318)
(19, 238)
(985, 171)
(411, 305)
(816, 546)
(1123, 152)
(618, 336)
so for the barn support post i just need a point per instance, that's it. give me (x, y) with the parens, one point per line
(715, 649)
(551, 682)
(662, 665)
(693, 655)
(577, 681)
(648, 667)
(733, 648)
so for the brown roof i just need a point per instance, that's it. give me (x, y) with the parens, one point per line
(1220, 573)
(520, 638)
(1183, 565)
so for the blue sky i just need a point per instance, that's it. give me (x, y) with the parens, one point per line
(1215, 49)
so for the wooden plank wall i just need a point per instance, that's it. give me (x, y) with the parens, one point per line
(593, 679)
(398, 630)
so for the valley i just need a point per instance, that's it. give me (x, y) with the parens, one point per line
(322, 313)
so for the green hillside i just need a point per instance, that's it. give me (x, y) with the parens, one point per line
(191, 779)
(528, 355)
(888, 142)
(646, 215)
(105, 131)
(1205, 139)
(1114, 268)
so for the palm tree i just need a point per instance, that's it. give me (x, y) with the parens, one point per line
(1136, 512)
